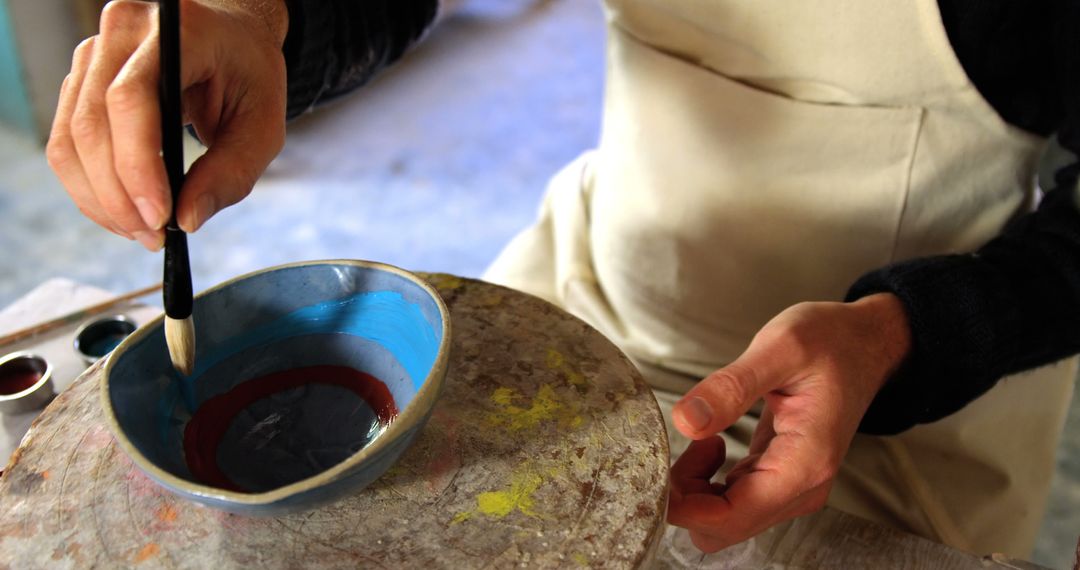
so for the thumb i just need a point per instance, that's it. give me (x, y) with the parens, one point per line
(238, 155)
(719, 400)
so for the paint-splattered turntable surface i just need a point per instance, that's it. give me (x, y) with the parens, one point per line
(546, 449)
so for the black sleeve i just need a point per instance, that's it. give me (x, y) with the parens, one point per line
(1011, 306)
(335, 46)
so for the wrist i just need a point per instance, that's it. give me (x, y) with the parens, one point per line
(889, 331)
(271, 15)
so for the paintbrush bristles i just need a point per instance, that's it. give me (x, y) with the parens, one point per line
(180, 336)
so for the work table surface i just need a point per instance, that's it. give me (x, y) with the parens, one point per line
(546, 449)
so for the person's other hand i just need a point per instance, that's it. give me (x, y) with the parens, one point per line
(818, 367)
(105, 142)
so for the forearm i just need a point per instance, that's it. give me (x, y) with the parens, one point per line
(335, 46)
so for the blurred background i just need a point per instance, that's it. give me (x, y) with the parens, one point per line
(434, 166)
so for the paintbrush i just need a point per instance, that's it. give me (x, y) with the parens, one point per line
(179, 327)
(74, 316)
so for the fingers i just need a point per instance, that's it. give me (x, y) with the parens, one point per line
(123, 28)
(243, 147)
(725, 395)
(60, 150)
(202, 109)
(786, 474)
(701, 459)
(810, 414)
(237, 106)
(106, 138)
(106, 141)
(788, 480)
(764, 432)
(710, 540)
(135, 131)
(745, 466)
(697, 465)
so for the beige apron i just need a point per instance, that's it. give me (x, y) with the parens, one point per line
(758, 154)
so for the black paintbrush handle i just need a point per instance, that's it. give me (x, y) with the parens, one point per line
(177, 278)
(172, 148)
(176, 290)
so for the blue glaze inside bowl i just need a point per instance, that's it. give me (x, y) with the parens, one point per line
(364, 318)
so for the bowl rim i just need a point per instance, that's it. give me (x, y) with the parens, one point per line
(403, 422)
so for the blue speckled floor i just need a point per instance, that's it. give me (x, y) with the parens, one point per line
(432, 167)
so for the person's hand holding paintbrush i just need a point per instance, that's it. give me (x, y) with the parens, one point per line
(107, 143)
(106, 139)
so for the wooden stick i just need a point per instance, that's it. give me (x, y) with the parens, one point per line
(75, 316)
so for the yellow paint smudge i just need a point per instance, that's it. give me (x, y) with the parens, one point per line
(556, 361)
(545, 406)
(580, 558)
(147, 552)
(503, 396)
(445, 281)
(518, 497)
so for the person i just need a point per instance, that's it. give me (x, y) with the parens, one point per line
(810, 224)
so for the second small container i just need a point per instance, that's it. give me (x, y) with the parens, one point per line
(97, 338)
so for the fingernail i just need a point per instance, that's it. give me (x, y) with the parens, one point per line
(205, 207)
(150, 213)
(149, 240)
(697, 412)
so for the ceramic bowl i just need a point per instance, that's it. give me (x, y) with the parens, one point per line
(310, 380)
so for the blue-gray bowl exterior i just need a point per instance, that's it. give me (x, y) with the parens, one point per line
(152, 403)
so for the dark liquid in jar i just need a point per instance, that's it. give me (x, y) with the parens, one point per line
(105, 344)
(17, 379)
